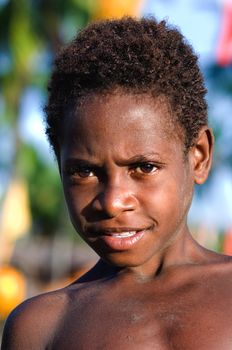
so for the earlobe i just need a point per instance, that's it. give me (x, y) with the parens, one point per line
(202, 153)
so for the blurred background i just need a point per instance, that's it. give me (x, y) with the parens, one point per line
(39, 249)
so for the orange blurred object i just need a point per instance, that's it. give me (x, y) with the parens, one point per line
(227, 245)
(224, 49)
(118, 8)
(12, 289)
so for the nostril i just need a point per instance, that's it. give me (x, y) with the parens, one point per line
(114, 200)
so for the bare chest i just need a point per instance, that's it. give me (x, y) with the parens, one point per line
(142, 322)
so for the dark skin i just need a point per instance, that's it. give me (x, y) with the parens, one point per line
(128, 186)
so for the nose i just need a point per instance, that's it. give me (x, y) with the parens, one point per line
(115, 198)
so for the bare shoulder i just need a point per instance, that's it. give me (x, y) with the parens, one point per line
(35, 323)
(218, 270)
(216, 262)
(223, 268)
(212, 271)
(220, 262)
(31, 324)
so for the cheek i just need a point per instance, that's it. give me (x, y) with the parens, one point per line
(167, 202)
(76, 202)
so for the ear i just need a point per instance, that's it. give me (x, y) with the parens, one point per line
(201, 154)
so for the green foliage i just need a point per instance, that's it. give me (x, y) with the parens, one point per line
(45, 192)
(31, 32)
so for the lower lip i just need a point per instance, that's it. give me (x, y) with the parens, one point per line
(122, 243)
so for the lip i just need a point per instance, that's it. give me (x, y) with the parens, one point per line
(120, 239)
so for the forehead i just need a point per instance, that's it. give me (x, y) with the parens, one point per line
(129, 107)
(120, 120)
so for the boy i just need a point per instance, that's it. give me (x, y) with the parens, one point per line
(127, 119)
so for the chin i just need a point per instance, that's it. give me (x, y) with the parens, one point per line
(123, 260)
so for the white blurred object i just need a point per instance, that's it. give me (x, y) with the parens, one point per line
(15, 217)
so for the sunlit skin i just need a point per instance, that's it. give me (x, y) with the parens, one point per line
(128, 184)
(121, 174)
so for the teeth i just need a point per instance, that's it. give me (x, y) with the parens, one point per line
(124, 234)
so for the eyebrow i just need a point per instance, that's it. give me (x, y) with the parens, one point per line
(138, 158)
(79, 161)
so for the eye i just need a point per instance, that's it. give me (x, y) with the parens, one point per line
(81, 172)
(145, 168)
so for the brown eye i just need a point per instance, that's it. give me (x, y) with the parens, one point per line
(82, 172)
(85, 173)
(146, 168)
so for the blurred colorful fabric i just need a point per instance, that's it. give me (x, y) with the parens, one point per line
(224, 49)
(227, 246)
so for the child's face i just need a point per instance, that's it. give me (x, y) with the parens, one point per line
(127, 183)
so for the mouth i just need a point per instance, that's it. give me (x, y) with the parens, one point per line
(119, 239)
(124, 234)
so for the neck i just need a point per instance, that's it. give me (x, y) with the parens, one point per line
(182, 251)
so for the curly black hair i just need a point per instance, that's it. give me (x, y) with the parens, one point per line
(136, 55)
